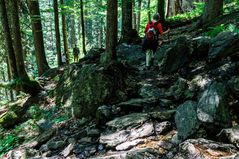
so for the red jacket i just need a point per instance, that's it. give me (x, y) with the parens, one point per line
(157, 27)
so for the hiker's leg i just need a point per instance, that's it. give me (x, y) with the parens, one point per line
(148, 59)
(151, 58)
(145, 45)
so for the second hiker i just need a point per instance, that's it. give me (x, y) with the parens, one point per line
(150, 43)
(76, 52)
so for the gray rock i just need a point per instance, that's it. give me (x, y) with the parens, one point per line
(138, 153)
(129, 144)
(201, 47)
(128, 121)
(93, 132)
(178, 89)
(145, 130)
(68, 150)
(162, 115)
(44, 125)
(54, 145)
(118, 137)
(213, 108)
(163, 127)
(150, 91)
(234, 85)
(137, 104)
(223, 45)
(230, 135)
(176, 56)
(186, 119)
(165, 145)
(103, 114)
(204, 149)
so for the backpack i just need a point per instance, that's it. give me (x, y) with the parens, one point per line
(151, 34)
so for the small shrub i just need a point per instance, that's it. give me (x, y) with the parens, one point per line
(7, 143)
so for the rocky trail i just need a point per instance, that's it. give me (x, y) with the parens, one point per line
(187, 107)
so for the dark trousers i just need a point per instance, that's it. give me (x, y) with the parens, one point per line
(149, 45)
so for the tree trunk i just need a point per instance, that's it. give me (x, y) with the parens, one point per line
(9, 79)
(161, 11)
(168, 8)
(16, 36)
(82, 27)
(64, 31)
(26, 85)
(126, 18)
(8, 40)
(34, 9)
(139, 15)
(57, 34)
(149, 17)
(134, 15)
(178, 8)
(111, 32)
(213, 9)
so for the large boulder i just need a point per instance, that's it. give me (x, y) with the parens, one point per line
(223, 45)
(201, 47)
(131, 53)
(177, 55)
(186, 119)
(213, 108)
(85, 89)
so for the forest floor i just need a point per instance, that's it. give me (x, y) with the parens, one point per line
(140, 126)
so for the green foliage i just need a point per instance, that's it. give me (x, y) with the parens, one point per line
(231, 7)
(7, 143)
(199, 6)
(35, 112)
(214, 31)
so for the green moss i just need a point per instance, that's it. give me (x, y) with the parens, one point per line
(8, 119)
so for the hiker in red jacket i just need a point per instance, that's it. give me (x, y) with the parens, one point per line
(150, 44)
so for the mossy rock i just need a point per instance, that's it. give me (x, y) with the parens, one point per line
(8, 119)
(86, 88)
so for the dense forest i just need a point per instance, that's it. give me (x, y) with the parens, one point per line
(75, 81)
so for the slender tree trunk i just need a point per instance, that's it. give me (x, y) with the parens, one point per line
(100, 30)
(4, 80)
(139, 15)
(34, 9)
(161, 10)
(149, 17)
(8, 40)
(213, 9)
(168, 8)
(73, 31)
(178, 8)
(57, 34)
(9, 79)
(82, 26)
(111, 33)
(64, 31)
(134, 16)
(126, 18)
